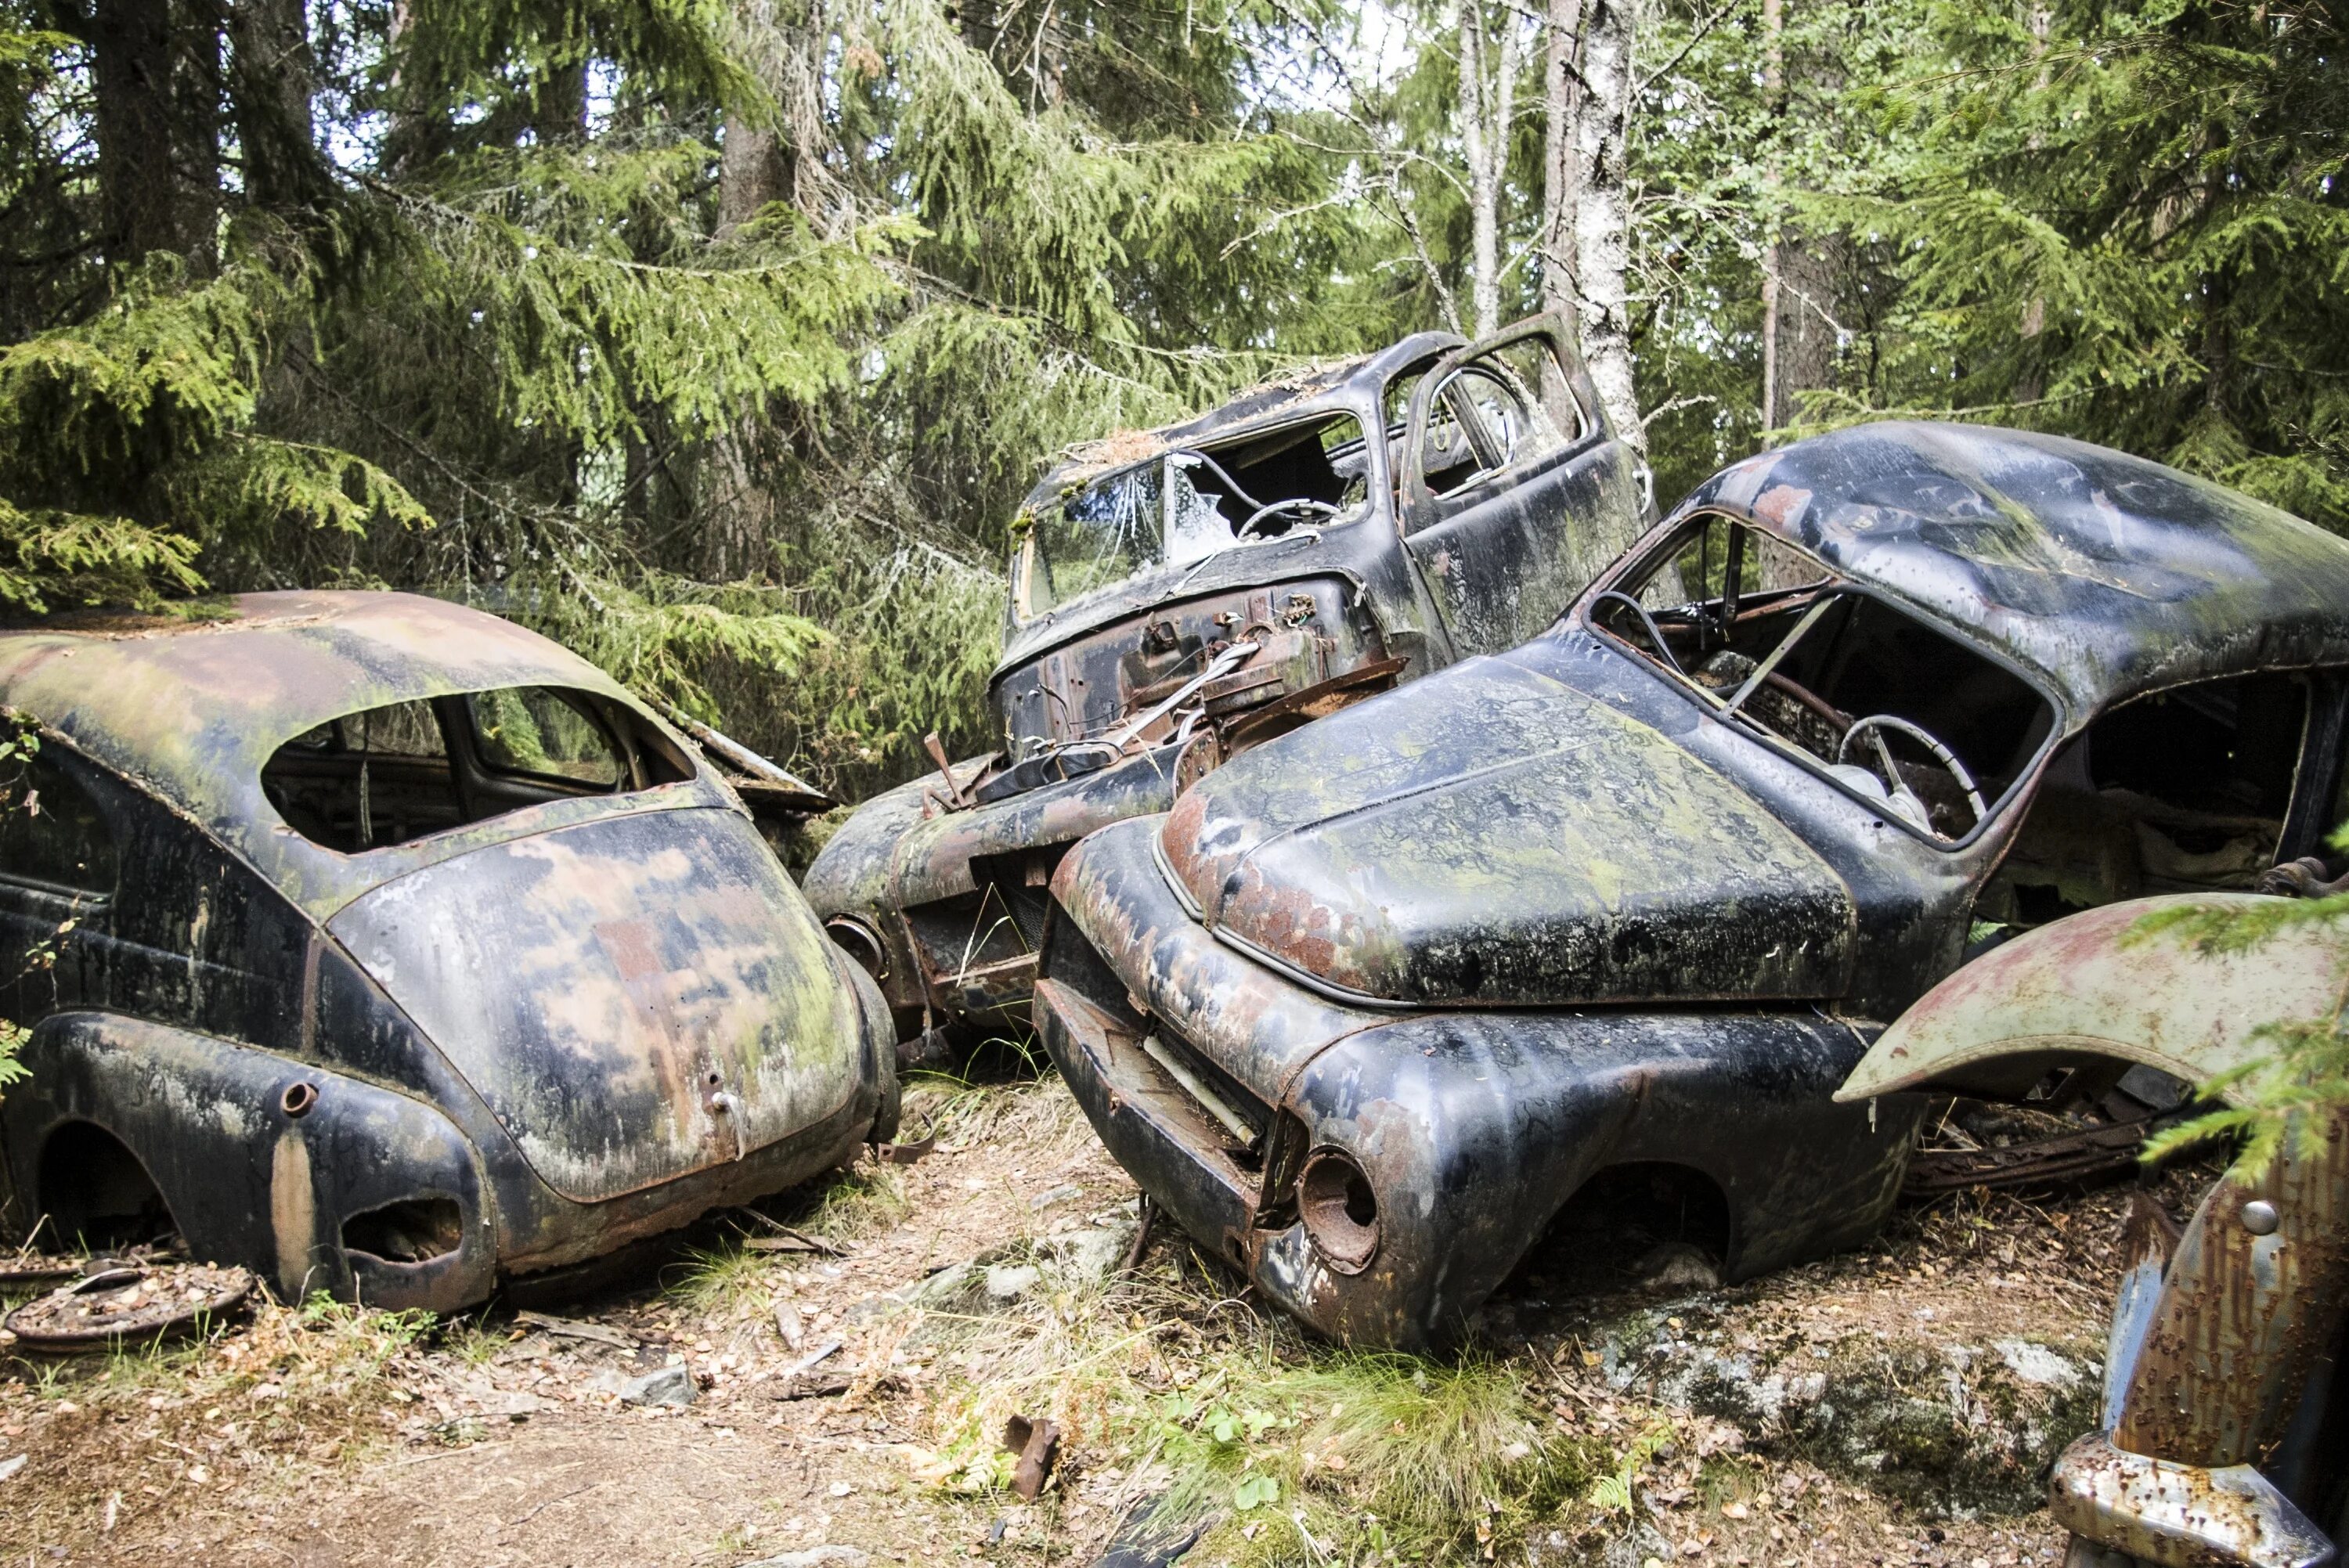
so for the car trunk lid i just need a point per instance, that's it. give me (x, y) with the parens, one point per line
(635, 997)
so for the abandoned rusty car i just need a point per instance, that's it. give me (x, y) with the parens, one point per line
(2224, 1433)
(387, 949)
(1181, 596)
(1624, 905)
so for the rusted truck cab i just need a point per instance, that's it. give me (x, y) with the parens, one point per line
(1180, 595)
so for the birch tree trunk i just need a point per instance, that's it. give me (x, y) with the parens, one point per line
(1602, 212)
(1487, 103)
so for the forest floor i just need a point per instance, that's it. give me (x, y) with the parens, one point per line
(1893, 1405)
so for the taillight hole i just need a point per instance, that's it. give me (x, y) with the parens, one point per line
(1340, 1210)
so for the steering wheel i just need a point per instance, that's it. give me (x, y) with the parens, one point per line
(1655, 635)
(1291, 503)
(1877, 723)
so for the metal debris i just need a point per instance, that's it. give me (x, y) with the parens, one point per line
(1038, 1444)
(120, 1305)
(573, 1328)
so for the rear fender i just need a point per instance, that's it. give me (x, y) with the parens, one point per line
(255, 1171)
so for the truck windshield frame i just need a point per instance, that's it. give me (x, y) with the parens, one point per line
(1184, 505)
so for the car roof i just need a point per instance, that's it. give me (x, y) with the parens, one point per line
(2107, 574)
(193, 710)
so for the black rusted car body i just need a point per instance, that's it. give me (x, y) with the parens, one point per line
(1180, 595)
(2224, 1437)
(1373, 1002)
(388, 949)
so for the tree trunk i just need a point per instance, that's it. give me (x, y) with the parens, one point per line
(1486, 103)
(738, 521)
(1801, 274)
(1559, 169)
(270, 82)
(1602, 212)
(130, 66)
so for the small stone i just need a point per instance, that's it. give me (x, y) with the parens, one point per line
(816, 1557)
(667, 1385)
(1059, 1194)
(2036, 1364)
(10, 1466)
(1009, 1282)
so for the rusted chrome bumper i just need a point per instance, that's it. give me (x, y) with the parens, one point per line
(2182, 1516)
(1219, 1083)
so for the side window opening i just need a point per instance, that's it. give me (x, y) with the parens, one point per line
(53, 834)
(1898, 712)
(1187, 504)
(1511, 409)
(2178, 792)
(394, 774)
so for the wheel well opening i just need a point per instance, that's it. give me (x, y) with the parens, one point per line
(96, 1193)
(1646, 1222)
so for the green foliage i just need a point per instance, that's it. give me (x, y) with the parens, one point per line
(2128, 227)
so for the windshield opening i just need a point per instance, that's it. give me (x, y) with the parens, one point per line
(400, 772)
(1189, 503)
(1907, 718)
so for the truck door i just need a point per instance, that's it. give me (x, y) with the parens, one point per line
(1514, 491)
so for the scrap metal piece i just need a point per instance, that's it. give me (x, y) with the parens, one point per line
(1038, 1444)
(120, 1305)
(2180, 1515)
(573, 1328)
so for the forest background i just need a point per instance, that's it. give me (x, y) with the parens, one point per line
(719, 340)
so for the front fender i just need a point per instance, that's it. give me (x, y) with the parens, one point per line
(246, 1179)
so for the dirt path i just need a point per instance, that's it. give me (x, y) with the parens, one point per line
(336, 1439)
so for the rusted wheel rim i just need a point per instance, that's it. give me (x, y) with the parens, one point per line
(128, 1303)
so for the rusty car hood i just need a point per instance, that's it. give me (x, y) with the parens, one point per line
(1491, 835)
(602, 985)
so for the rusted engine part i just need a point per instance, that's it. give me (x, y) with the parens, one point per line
(118, 1305)
(2104, 1146)
(973, 954)
(1202, 669)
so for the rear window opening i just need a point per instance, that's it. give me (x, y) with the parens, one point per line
(1929, 731)
(394, 774)
(2182, 791)
(1185, 505)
